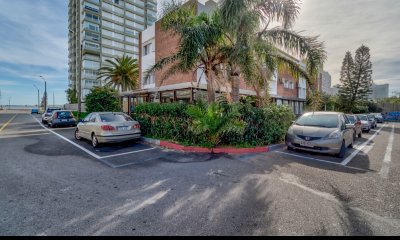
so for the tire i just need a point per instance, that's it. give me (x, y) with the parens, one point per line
(95, 142)
(77, 136)
(290, 148)
(352, 144)
(342, 152)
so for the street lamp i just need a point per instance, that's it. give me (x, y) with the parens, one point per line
(79, 80)
(45, 92)
(38, 97)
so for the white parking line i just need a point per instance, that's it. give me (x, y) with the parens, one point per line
(388, 156)
(361, 147)
(323, 161)
(128, 153)
(100, 158)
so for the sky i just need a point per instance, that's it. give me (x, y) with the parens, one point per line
(34, 42)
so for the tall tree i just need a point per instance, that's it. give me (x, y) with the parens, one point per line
(200, 38)
(347, 90)
(122, 73)
(356, 79)
(363, 72)
(256, 46)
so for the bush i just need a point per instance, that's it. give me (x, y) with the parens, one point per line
(102, 99)
(175, 122)
(83, 115)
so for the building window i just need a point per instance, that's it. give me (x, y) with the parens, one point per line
(148, 80)
(147, 49)
(288, 84)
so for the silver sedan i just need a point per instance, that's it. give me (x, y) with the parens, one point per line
(321, 132)
(108, 128)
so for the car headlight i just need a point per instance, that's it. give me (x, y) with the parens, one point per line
(290, 131)
(335, 135)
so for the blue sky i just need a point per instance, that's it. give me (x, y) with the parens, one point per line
(34, 41)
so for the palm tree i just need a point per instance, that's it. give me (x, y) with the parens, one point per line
(255, 48)
(122, 73)
(215, 121)
(199, 44)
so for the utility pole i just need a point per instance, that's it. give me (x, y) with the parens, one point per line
(45, 93)
(9, 103)
(54, 104)
(38, 97)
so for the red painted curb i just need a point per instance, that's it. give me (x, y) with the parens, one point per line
(227, 150)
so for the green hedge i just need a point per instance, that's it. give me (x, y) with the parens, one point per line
(171, 122)
(83, 114)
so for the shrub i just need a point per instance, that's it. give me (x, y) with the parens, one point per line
(102, 99)
(224, 124)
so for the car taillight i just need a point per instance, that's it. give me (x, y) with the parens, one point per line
(137, 126)
(107, 128)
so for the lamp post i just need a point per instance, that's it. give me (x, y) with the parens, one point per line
(38, 97)
(45, 92)
(79, 80)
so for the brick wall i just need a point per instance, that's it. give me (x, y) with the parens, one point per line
(166, 45)
(284, 92)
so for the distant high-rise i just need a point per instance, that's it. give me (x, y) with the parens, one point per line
(379, 91)
(101, 30)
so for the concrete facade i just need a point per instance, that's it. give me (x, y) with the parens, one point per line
(101, 30)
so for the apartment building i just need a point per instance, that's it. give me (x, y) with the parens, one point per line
(187, 87)
(101, 30)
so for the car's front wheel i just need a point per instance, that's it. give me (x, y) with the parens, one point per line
(342, 152)
(95, 141)
(77, 135)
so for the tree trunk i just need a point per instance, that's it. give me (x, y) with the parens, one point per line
(235, 94)
(210, 87)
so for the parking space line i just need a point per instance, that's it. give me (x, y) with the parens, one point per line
(69, 141)
(7, 123)
(361, 147)
(388, 156)
(128, 153)
(323, 161)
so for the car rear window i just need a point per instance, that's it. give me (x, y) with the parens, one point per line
(315, 120)
(352, 119)
(52, 110)
(64, 115)
(363, 118)
(108, 118)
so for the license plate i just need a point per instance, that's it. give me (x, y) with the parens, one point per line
(64, 120)
(123, 128)
(306, 144)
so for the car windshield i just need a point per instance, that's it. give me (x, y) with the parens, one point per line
(371, 117)
(114, 117)
(316, 120)
(378, 115)
(363, 118)
(352, 119)
(64, 115)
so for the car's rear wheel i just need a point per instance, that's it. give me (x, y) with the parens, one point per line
(95, 141)
(342, 152)
(290, 148)
(77, 135)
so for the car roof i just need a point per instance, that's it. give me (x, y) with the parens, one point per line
(108, 113)
(324, 113)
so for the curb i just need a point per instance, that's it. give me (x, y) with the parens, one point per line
(226, 150)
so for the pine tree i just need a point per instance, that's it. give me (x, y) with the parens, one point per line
(356, 79)
(346, 90)
(363, 73)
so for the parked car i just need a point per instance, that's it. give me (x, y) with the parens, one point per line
(366, 124)
(108, 128)
(379, 118)
(35, 111)
(321, 132)
(372, 119)
(47, 114)
(61, 119)
(354, 119)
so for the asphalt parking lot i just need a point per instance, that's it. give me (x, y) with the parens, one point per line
(55, 185)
